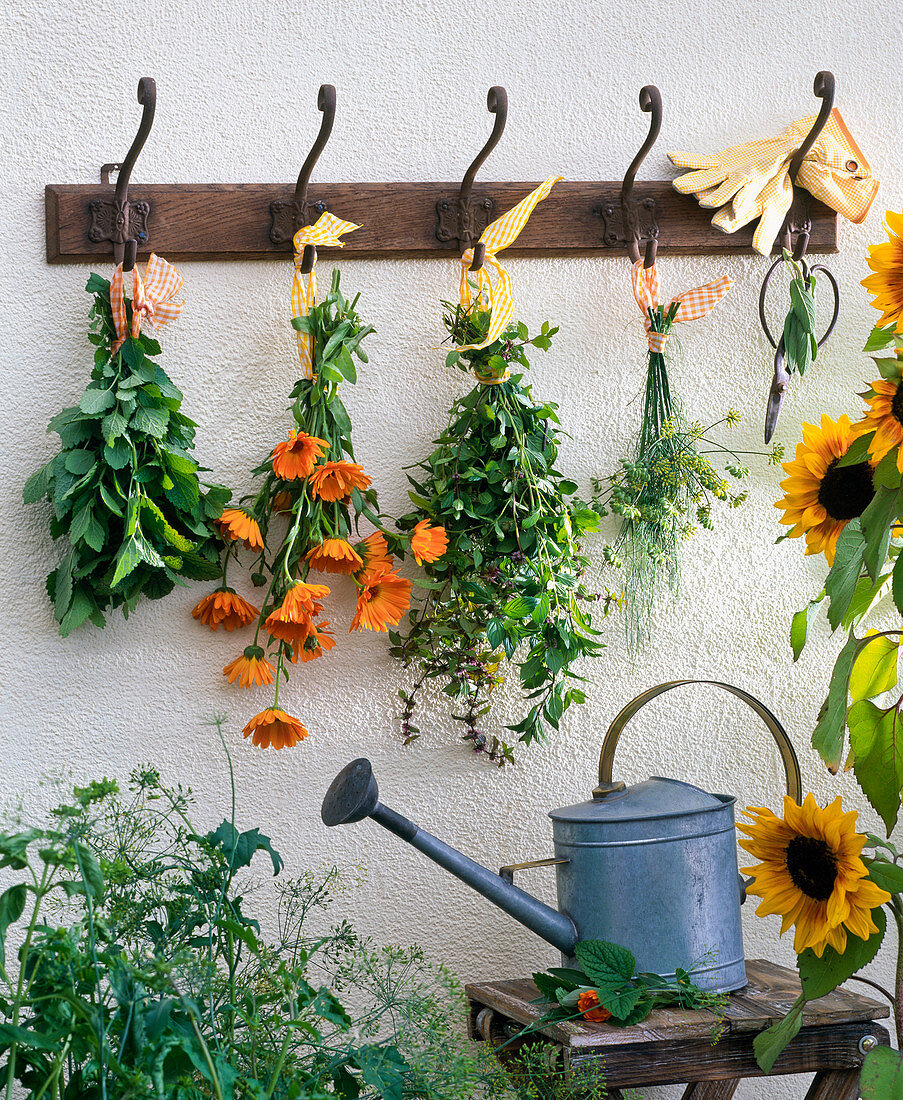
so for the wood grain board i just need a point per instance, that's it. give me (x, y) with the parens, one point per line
(231, 221)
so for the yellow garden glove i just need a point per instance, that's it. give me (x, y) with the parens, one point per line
(751, 180)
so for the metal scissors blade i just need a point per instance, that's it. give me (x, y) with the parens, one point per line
(778, 390)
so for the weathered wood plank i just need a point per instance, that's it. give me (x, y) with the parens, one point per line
(711, 1090)
(222, 221)
(835, 1085)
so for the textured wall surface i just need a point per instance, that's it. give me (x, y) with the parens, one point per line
(236, 94)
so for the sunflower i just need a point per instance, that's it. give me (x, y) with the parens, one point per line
(251, 669)
(224, 608)
(318, 642)
(335, 556)
(886, 261)
(885, 418)
(821, 497)
(811, 873)
(382, 601)
(588, 1004)
(428, 544)
(296, 456)
(239, 525)
(274, 728)
(374, 552)
(335, 480)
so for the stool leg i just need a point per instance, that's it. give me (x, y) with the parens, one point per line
(835, 1084)
(711, 1090)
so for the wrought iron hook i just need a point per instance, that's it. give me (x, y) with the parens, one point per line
(651, 104)
(497, 104)
(326, 103)
(823, 88)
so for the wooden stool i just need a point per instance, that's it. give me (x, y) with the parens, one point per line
(672, 1046)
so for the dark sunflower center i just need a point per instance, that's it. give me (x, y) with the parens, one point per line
(896, 405)
(846, 491)
(812, 867)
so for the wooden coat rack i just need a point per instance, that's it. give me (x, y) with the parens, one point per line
(249, 221)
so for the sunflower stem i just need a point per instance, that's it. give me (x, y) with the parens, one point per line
(894, 906)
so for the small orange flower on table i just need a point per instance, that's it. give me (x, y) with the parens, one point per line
(428, 543)
(382, 602)
(224, 608)
(296, 456)
(273, 728)
(251, 669)
(235, 524)
(334, 480)
(588, 1004)
(335, 556)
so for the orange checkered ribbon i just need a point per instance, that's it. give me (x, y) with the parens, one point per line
(693, 303)
(152, 298)
(327, 231)
(496, 236)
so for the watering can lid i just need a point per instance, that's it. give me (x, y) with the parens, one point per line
(654, 798)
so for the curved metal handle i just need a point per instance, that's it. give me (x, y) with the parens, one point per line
(507, 872)
(326, 101)
(777, 731)
(496, 104)
(147, 97)
(823, 88)
(651, 104)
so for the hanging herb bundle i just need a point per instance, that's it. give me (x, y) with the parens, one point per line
(669, 482)
(124, 487)
(800, 343)
(304, 516)
(508, 588)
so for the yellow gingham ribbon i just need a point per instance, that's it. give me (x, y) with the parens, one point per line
(327, 231)
(496, 236)
(693, 303)
(151, 298)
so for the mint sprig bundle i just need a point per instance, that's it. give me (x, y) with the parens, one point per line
(608, 988)
(800, 343)
(124, 487)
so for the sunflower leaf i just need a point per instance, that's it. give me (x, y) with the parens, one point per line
(897, 583)
(858, 450)
(886, 474)
(876, 740)
(821, 975)
(769, 1044)
(840, 584)
(882, 1075)
(885, 874)
(877, 523)
(875, 668)
(800, 624)
(880, 338)
(829, 734)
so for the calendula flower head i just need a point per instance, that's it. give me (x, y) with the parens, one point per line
(292, 621)
(334, 480)
(886, 261)
(282, 503)
(811, 873)
(318, 642)
(224, 608)
(428, 543)
(382, 602)
(588, 1004)
(251, 669)
(335, 556)
(297, 456)
(374, 552)
(274, 728)
(240, 526)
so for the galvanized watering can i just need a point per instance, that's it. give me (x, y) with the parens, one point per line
(652, 867)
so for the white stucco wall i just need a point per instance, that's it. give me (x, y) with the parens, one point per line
(236, 92)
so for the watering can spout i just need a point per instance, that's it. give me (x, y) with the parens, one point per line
(354, 795)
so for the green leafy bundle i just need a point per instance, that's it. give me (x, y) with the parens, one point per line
(124, 487)
(666, 483)
(609, 976)
(800, 343)
(508, 588)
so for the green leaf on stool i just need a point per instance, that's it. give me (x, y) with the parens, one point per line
(882, 1075)
(770, 1044)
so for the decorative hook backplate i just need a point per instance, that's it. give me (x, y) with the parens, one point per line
(464, 218)
(117, 219)
(286, 218)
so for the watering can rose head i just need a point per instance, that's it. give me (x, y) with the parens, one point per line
(812, 874)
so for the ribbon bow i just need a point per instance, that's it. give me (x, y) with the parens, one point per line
(693, 303)
(496, 236)
(151, 299)
(327, 231)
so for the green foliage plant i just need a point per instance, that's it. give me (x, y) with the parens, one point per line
(800, 343)
(509, 589)
(124, 486)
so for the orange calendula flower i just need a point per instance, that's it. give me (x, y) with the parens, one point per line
(428, 543)
(884, 418)
(237, 524)
(318, 641)
(335, 480)
(588, 1004)
(812, 874)
(335, 556)
(251, 669)
(382, 602)
(275, 729)
(820, 497)
(292, 622)
(886, 261)
(374, 552)
(296, 456)
(224, 608)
